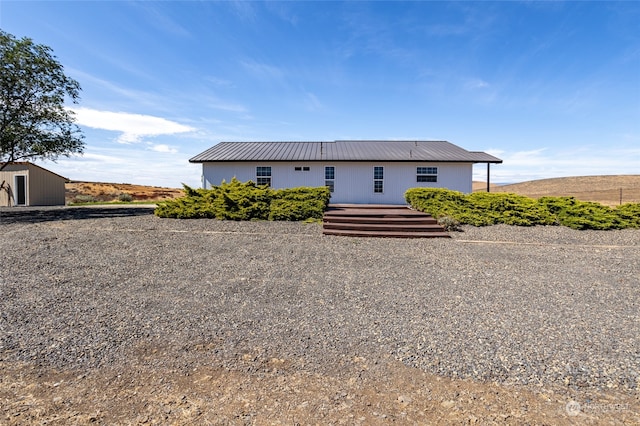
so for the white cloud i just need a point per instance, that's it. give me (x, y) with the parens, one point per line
(133, 127)
(128, 164)
(163, 148)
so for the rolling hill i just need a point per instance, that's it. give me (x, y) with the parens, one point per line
(608, 190)
(100, 191)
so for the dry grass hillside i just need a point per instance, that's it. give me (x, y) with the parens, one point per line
(606, 190)
(99, 191)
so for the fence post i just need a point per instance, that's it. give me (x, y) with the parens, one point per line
(620, 196)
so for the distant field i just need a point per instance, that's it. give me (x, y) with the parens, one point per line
(602, 189)
(100, 191)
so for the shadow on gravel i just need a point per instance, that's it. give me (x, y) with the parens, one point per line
(47, 214)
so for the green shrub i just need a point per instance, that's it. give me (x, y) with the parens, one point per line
(449, 223)
(124, 197)
(299, 203)
(582, 214)
(247, 201)
(481, 209)
(629, 213)
(82, 199)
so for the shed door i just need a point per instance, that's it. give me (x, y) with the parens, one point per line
(21, 190)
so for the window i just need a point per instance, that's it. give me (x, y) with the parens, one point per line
(263, 175)
(301, 169)
(378, 179)
(305, 169)
(330, 177)
(298, 169)
(427, 174)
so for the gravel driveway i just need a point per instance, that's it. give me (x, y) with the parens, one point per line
(546, 306)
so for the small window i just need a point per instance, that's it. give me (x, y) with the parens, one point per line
(305, 169)
(298, 169)
(263, 175)
(378, 179)
(427, 174)
(330, 177)
(301, 169)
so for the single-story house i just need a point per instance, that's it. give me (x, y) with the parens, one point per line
(25, 184)
(367, 172)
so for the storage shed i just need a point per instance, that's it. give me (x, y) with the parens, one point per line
(26, 184)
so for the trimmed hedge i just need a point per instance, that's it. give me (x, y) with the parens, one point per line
(247, 201)
(482, 209)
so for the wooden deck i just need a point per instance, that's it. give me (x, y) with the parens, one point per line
(380, 220)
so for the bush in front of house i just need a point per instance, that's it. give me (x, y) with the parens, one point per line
(482, 209)
(237, 200)
(302, 203)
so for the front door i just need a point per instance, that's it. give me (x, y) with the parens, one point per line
(20, 186)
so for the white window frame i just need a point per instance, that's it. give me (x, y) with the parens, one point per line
(331, 183)
(264, 179)
(377, 180)
(429, 174)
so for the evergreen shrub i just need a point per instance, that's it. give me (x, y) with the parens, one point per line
(237, 200)
(482, 209)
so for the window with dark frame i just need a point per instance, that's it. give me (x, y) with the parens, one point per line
(330, 177)
(378, 179)
(263, 175)
(427, 174)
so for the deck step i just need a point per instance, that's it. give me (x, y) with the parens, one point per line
(380, 220)
(384, 226)
(387, 234)
(372, 219)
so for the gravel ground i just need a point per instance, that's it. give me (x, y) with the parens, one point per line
(95, 288)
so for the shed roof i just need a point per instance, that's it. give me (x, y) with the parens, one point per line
(347, 150)
(27, 164)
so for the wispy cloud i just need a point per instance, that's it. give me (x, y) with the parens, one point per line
(261, 70)
(128, 164)
(161, 19)
(132, 127)
(313, 103)
(475, 83)
(118, 94)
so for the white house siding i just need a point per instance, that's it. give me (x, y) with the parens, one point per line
(353, 180)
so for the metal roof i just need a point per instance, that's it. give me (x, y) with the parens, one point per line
(440, 151)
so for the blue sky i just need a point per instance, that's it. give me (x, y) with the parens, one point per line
(552, 88)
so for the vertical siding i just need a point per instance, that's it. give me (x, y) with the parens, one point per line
(8, 177)
(45, 188)
(353, 180)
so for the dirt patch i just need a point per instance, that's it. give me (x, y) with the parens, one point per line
(278, 391)
(99, 191)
